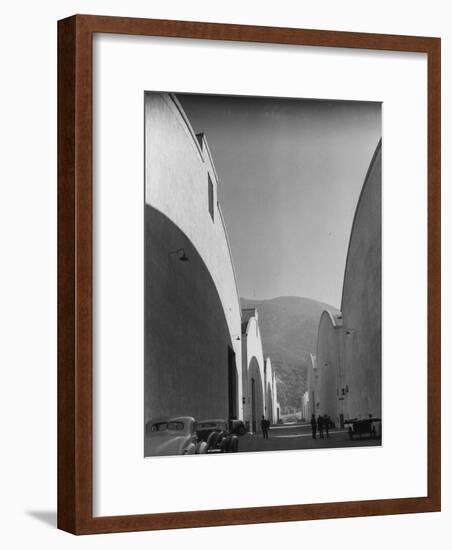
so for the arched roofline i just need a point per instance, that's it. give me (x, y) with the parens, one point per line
(357, 210)
(333, 319)
(259, 368)
(230, 253)
(326, 313)
(199, 139)
(198, 145)
(187, 123)
(251, 360)
(254, 316)
(202, 140)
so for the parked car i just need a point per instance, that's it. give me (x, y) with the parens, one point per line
(217, 435)
(168, 436)
(237, 427)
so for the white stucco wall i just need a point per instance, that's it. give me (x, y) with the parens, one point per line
(349, 345)
(275, 399)
(311, 384)
(270, 389)
(177, 167)
(252, 348)
(361, 299)
(329, 360)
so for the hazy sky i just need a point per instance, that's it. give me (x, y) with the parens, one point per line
(290, 175)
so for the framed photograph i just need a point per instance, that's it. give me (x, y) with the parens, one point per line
(249, 274)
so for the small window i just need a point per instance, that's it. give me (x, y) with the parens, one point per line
(210, 196)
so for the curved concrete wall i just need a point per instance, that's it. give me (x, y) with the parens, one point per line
(271, 395)
(361, 300)
(178, 165)
(258, 395)
(329, 396)
(193, 318)
(255, 401)
(311, 398)
(187, 348)
(349, 344)
(275, 404)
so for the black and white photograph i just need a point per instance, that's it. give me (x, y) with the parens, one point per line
(262, 274)
(226, 228)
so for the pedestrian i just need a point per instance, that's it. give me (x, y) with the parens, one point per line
(320, 426)
(264, 427)
(314, 427)
(326, 424)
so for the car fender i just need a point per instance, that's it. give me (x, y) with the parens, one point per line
(190, 449)
(201, 448)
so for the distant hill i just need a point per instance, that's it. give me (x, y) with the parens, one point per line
(289, 334)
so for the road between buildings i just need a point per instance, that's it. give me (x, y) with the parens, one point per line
(298, 436)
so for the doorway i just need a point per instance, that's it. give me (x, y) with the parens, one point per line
(232, 385)
(253, 404)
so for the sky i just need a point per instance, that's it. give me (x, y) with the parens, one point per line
(290, 174)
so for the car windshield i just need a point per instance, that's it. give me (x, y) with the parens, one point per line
(209, 425)
(167, 426)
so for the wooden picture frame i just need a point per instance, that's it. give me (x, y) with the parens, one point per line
(75, 277)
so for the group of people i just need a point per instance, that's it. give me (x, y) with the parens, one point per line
(322, 424)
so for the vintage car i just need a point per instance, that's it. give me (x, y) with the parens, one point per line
(217, 435)
(367, 428)
(237, 427)
(168, 436)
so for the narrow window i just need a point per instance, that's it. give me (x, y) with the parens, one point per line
(210, 196)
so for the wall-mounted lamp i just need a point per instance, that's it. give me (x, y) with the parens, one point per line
(181, 254)
(243, 400)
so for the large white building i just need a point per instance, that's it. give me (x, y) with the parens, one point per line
(258, 379)
(193, 321)
(349, 343)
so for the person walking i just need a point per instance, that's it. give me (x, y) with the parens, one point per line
(314, 427)
(320, 426)
(268, 427)
(326, 422)
(264, 427)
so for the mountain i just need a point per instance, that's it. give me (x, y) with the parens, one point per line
(289, 327)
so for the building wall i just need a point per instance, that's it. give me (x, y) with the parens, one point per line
(361, 300)
(349, 345)
(305, 406)
(253, 368)
(271, 396)
(329, 395)
(192, 308)
(311, 385)
(275, 399)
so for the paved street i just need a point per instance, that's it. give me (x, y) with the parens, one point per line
(298, 436)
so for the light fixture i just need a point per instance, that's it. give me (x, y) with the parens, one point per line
(181, 253)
